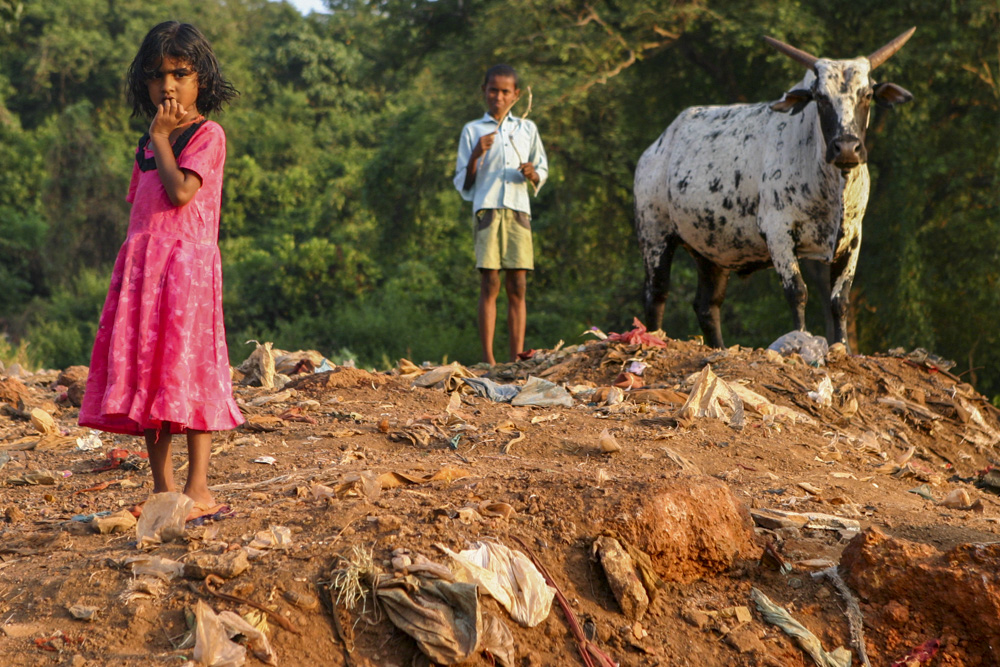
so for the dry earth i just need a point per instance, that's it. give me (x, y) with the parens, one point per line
(681, 488)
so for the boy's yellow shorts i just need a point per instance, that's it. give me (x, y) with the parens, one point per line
(503, 239)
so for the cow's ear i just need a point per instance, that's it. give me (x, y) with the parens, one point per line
(794, 101)
(888, 95)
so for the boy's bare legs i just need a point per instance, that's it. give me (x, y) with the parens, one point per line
(517, 309)
(199, 452)
(160, 462)
(489, 288)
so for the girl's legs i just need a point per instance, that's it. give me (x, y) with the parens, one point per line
(158, 446)
(199, 451)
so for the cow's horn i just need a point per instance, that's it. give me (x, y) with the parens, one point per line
(883, 54)
(809, 61)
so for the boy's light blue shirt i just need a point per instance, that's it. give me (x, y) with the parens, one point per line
(498, 183)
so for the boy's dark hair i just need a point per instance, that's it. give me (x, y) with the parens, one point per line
(501, 70)
(172, 39)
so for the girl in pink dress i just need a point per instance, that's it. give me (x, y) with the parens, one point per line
(160, 364)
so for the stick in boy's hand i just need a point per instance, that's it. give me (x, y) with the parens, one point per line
(528, 169)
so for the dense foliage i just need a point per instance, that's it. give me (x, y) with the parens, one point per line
(342, 232)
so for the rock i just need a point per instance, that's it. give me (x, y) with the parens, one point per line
(119, 522)
(697, 618)
(302, 600)
(13, 390)
(621, 574)
(745, 640)
(74, 379)
(13, 514)
(690, 525)
(227, 565)
(388, 523)
(42, 421)
(958, 588)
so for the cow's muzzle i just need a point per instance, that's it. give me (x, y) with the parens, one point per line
(846, 152)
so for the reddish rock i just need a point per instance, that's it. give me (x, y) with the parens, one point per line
(13, 390)
(74, 379)
(691, 526)
(925, 588)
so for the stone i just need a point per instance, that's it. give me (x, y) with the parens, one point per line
(622, 577)
(958, 588)
(691, 526)
(74, 379)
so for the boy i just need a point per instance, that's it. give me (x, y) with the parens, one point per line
(497, 156)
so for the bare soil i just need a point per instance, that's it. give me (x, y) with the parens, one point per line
(562, 488)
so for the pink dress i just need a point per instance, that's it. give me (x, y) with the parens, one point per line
(160, 351)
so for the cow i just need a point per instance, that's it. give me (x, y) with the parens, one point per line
(749, 186)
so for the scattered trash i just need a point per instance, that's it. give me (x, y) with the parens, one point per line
(807, 641)
(921, 655)
(507, 575)
(443, 617)
(920, 356)
(156, 567)
(125, 459)
(608, 443)
(212, 645)
(119, 522)
(712, 397)
(226, 565)
(163, 517)
(90, 442)
(924, 492)
(258, 368)
(275, 537)
(773, 518)
(447, 377)
(266, 460)
(957, 499)
(811, 348)
(487, 388)
(637, 336)
(82, 612)
(824, 393)
(34, 478)
(542, 393)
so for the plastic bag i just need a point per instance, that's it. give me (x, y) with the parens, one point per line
(811, 348)
(212, 646)
(537, 391)
(509, 576)
(163, 518)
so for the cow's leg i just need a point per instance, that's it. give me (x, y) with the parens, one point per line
(712, 282)
(658, 282)
(842, 276)
(819, 274)
(787, 266)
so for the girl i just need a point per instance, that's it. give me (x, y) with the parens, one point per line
(160, 364)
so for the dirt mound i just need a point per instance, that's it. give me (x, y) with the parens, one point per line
(347, 471)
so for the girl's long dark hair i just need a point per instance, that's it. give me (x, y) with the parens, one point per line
(183, 41)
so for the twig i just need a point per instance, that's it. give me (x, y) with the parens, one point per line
(210, 582)
(588, 649)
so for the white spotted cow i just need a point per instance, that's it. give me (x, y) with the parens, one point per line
(748, 186)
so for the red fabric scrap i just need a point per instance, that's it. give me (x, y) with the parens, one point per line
(638, 335)
(116, 457)
(920, 655)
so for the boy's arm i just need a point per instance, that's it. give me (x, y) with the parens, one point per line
(181, 185)
(469, 154)
(536, 168)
